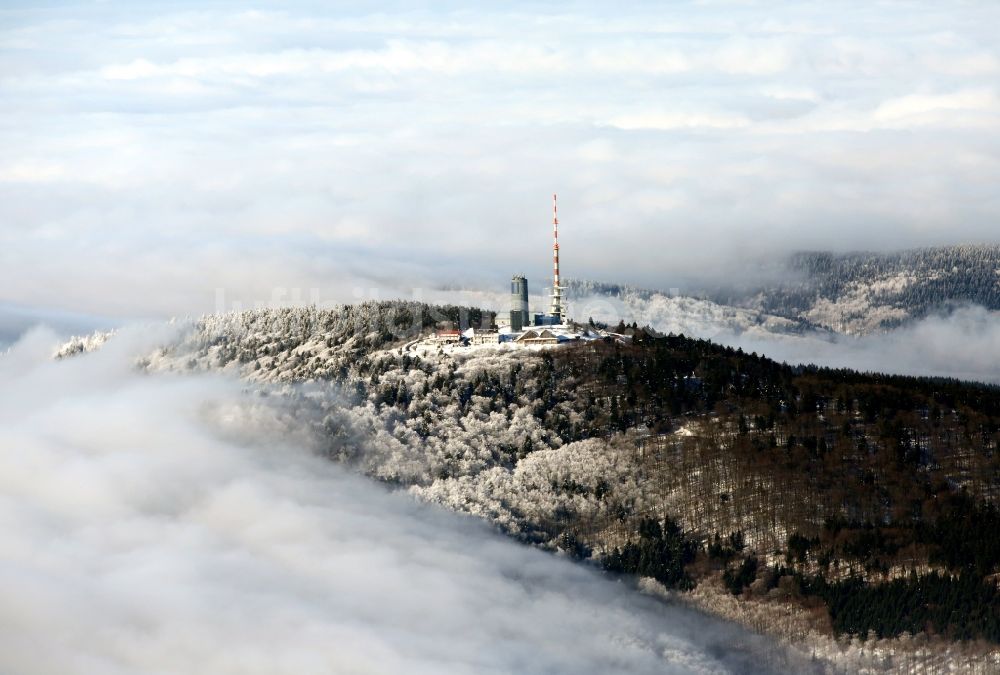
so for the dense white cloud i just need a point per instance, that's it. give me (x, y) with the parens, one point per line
(964, 344)
(155, 152)
(162, 524)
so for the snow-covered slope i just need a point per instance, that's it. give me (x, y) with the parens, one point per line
(864, 293)
(478, 431)
(417, 420)
(689, 316)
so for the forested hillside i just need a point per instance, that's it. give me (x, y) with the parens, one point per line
(866, 501)
(855, 293)
(679, 313)
(832, 481)
(860, 293)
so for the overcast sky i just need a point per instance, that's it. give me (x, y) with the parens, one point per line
(156, 152)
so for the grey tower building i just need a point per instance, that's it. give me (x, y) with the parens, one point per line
(518, 303)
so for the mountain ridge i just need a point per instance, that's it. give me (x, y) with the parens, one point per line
(855, 293)
(576, 448)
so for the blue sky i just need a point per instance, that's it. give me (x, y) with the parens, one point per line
(157, 152)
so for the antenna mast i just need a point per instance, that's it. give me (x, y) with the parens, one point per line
(557, 309)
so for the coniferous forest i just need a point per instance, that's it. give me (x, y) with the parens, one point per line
(881, 476)
(870, 292)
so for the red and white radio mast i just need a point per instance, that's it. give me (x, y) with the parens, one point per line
(557, 310)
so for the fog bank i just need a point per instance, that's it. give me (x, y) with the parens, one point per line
(164, 524)
(964, 344)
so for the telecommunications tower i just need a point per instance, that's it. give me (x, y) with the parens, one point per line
(558, 309)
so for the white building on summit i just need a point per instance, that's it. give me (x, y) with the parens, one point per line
(543, 336)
